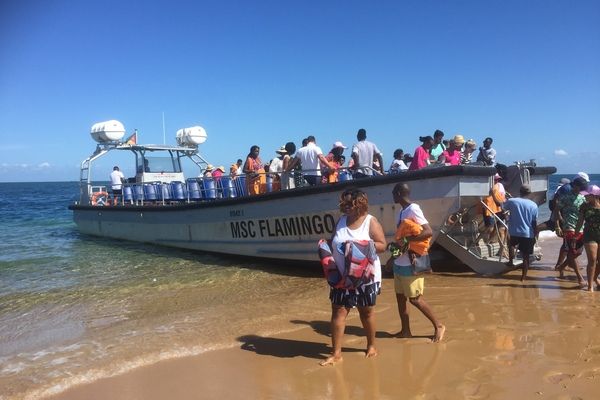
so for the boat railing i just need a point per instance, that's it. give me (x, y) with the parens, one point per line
(465, 228)
(209, 188)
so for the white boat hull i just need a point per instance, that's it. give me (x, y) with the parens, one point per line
(284, 226)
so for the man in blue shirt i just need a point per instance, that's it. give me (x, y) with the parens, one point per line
(521, 226)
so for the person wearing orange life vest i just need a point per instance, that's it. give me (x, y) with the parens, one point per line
(408, 286)
(492, 211)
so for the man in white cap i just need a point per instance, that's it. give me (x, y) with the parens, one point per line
(363, 154)
(334, 157)
(584, 176)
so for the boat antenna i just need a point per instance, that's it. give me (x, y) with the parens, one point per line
(164, 137)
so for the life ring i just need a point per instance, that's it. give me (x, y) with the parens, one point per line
(99, 199)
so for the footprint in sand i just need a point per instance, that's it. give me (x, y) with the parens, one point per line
(591, 374)
(595, 350)
(558, 377)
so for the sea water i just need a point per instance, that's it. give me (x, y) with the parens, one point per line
(75, 308)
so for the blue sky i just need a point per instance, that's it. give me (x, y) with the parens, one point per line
(267, 72)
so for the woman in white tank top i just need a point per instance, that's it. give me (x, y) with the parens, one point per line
(355, 224)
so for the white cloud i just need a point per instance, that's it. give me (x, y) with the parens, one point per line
(560, 153)
(44, 165)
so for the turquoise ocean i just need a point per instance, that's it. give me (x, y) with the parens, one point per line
(76, 308)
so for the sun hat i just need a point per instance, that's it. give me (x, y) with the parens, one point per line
(222, 168)
(584, 176)
(593, 190)
(281, 150)
(339, 144)
(209, 167)
(458, 139)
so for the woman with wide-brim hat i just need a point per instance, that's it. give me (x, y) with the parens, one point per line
(451, 156)
(276, 168)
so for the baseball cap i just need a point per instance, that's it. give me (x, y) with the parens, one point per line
(584, 176)
(339, 144)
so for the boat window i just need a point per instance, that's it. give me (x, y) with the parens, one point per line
(159, 164)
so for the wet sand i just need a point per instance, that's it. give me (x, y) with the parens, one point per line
(504, 339)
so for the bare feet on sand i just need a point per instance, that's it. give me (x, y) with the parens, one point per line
(404, 334)
(371, 352)
(331, 360)
(439, 333)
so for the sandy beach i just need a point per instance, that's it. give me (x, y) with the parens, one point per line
(504, 339)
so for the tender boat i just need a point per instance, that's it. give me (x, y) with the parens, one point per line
(161, 205)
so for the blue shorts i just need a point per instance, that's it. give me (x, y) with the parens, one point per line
(364, 296)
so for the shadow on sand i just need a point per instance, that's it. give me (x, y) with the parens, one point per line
(289, 348)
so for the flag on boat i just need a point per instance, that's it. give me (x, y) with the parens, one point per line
(132, 139)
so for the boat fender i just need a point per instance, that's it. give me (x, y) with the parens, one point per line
(99, 199)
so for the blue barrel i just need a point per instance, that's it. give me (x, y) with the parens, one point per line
(177, 191)
(127, 194)
(344, 176)
(194, 189)
(210, 192)
(227, 187)
(269, 183)
(240, 186)
(138, 193)
(165, 191)
(150, 192)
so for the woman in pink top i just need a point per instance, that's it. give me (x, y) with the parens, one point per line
(451, 156)
(421, 157)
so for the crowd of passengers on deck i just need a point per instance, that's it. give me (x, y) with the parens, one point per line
(309, 165)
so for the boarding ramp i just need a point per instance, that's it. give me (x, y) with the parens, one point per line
(461, 236)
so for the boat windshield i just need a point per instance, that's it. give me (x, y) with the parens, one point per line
(158, 164)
